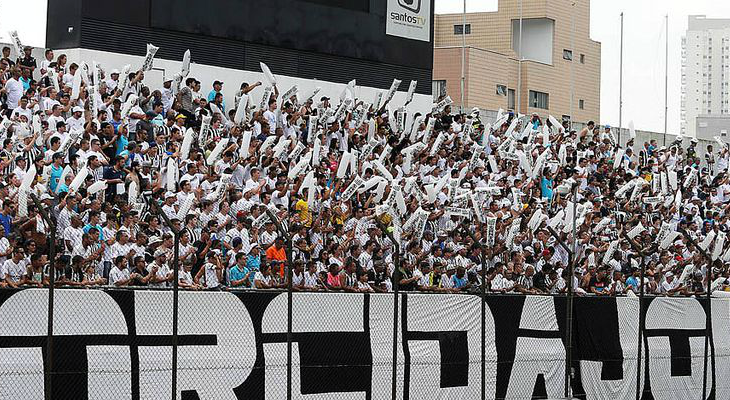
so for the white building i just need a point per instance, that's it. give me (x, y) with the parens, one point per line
(705, 71)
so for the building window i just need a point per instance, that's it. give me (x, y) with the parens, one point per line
(581, 104)
(582, 58)
(459, 29)
(568, 55)
(438, 88)
(511, 99)
(501, 90)
(539, 100)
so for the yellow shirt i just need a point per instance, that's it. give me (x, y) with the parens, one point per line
(304, 215)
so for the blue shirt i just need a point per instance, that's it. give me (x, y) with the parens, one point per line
(98, 228)
(26, 83)
(237, 273)
(633, 283)
(7, 222)
(546, 188)
(211, 97)
(253, 262)
(459, 282)
(122, 143)
(55, 176)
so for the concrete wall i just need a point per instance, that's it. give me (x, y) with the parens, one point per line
(709, 126)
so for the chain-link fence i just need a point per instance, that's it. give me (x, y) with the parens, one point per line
(118, 344)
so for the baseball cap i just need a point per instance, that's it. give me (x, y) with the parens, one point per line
(159, 253)
(77, 109)
(115, 71)
(217, 83)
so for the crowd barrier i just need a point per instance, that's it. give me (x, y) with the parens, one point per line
(117, 344)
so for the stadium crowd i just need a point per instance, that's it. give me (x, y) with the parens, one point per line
(347, 181)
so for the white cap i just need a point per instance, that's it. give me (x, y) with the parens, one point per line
(77, 109)
(169, 194)
(115, 71)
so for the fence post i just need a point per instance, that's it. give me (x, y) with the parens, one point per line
(568, 315)
(175, 290)
(289, 300)
(642, 321)
(483, 294)
(48, 219)
(395, 283)
(708, 320)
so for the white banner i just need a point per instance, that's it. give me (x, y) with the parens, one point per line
(410, 19)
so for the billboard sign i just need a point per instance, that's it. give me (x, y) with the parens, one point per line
(410, 19)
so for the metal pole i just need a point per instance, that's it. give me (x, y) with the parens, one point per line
(289, 315)
(175, 288)
(483, 293)
(642, 321)
(463, 56)
(572, 69)
(621, 81)
(175, 309)
(519, 66)
(52, 282)
(708, 315)
(666, 77)
(290, 299)
(568, 315)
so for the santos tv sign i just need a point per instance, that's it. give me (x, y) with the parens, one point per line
(410, 19)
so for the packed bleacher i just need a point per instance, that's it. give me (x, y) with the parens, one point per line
(340, 189)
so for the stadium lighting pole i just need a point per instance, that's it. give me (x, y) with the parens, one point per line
(483, 292)
(519, 66)
(463, 56)
(52, 282)
(708, 321)
(175, 290)
(568, 314)
(621, 81)
(666, 76)
(642, 321)
(572, 68)
(290, 299)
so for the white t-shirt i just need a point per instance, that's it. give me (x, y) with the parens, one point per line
(260, 277)
(211, 278)
(74, 124)
(116, 275)
(162, 272)
(271, 119)
(13, 270)
(310, 279)
(15, 92)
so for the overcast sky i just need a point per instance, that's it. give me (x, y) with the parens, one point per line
(643, 48)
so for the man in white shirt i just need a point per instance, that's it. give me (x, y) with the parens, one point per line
(160, 272)
(270, 115)
(13, 89)
(23, 109)
(13, 270)
(119, 274)
(76, 120)
(113, 81)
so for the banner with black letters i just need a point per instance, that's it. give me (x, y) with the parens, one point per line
(233, 345)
